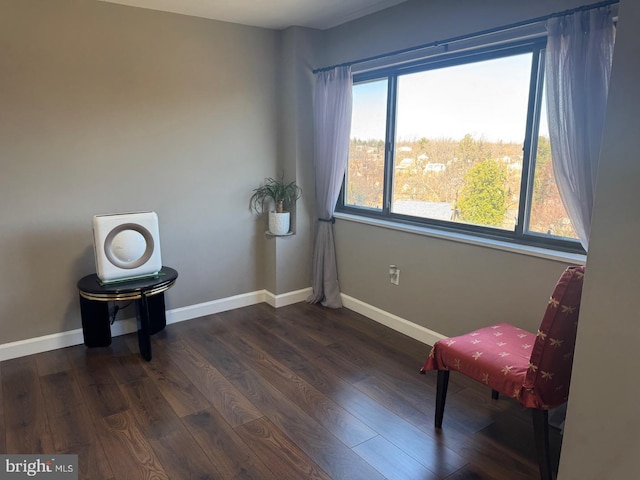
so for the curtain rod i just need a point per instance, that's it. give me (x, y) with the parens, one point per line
(481, 33)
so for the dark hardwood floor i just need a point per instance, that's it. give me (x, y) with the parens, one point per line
(300, 392)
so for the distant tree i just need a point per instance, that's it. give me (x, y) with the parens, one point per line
(365, 173)
(483, 197)
(548, 214)
(544, 181)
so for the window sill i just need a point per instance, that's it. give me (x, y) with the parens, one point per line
(549, 254)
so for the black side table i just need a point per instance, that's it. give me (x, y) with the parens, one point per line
(148, 293)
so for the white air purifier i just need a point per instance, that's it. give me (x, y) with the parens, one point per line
(126, 246)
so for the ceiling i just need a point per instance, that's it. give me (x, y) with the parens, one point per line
(275, 14)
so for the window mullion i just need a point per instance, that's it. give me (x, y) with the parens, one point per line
(530, 145)
(390, 144)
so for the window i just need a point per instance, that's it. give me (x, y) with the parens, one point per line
(458, 142)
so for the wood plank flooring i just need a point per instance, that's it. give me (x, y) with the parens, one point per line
(301, 392)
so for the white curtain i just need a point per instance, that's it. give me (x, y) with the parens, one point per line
(578, 65)
(332, 116)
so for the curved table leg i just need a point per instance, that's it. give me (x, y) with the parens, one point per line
(144, 327)
(96, 329)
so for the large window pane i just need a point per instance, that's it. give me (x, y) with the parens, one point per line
(459, 137)
(548, 215)
(441, 143)
(365, 171)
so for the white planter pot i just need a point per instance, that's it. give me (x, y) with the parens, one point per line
(279, 223)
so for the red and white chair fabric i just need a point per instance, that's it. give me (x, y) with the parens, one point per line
(533, 368)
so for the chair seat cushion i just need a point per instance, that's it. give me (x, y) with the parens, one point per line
(497, 356)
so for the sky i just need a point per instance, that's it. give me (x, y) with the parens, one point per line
(487, 99)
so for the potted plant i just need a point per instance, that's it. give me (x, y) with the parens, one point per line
(283, 195)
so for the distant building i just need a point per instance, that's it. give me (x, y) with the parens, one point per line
(437, 210)
(405, 164)
(435, 167)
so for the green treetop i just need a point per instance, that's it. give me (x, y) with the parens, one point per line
(483, 197)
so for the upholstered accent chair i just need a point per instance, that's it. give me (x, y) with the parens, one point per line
(534, 369)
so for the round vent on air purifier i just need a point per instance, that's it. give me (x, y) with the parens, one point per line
(128, 246)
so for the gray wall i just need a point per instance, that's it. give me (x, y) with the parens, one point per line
(416, 22)
(290, 257)
(107, 108)
(601, 437)
(446, 286)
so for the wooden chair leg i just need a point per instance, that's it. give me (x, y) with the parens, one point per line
(495, 394)
(541, 433)
(441, 395)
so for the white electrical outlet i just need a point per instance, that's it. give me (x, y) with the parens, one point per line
(394, 275)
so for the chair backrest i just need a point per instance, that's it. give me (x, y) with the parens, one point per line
(547, 381)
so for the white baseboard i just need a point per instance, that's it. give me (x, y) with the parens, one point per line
(40, 344)
(413, 330)
(215, 306)
(285, 299)
(70, 338)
